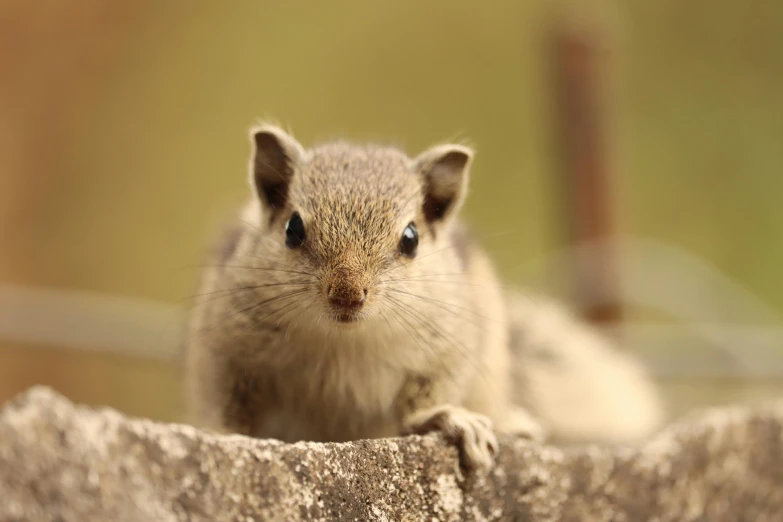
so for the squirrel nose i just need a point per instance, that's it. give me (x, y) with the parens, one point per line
(347, 296)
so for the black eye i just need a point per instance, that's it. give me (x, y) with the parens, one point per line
(409, 241)
(294, 231)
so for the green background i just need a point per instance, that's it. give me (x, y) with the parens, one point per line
(138, 162)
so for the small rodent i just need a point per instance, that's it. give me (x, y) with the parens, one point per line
(348, 302)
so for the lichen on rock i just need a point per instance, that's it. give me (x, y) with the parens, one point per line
(68, 463)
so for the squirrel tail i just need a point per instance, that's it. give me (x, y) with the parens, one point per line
(580, 386)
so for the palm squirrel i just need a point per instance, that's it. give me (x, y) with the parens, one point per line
(348, 302)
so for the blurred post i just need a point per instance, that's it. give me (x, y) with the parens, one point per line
(579, 46)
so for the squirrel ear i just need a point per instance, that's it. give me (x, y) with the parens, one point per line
(275, 157)
(444, 171)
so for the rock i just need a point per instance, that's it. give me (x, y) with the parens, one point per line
(60, 462)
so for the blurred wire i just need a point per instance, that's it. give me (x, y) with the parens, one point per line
(88, 321)
(714, 327)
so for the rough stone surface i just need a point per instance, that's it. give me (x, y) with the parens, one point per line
(60, 462)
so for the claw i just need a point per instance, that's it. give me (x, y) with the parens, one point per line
(472, 432)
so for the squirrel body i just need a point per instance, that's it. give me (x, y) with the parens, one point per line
(349, 302)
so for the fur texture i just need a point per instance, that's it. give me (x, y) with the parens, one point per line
(269, 355)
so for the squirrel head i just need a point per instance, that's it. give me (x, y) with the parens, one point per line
(350, 218)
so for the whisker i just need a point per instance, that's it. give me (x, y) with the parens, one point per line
(455, 283)
(411, 261)
(206, 299)
(410, 278)
(275, 312)
(490, 282)
(262, 269)
(251, 225)
(426, 323)
(433, 327)
(260, 304)
(265, 259)
(261, 233)
(265, 235)
(230, 291)
(299, 318)
(257, 321)
(438, 303)
(235, 335)
(416, 336)
(401, 208)
(460, 348)
(448, 369)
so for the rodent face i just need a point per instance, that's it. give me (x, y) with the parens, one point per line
(341, 222)
(351, 216)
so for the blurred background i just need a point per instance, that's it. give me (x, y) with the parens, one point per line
(629, 162)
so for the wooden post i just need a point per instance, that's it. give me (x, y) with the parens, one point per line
(582, 146)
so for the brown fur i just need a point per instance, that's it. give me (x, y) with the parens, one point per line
(267, 356)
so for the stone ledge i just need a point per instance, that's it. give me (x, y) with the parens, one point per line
(72, 463)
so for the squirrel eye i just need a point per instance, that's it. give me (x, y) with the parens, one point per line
(294, 231)
(409, 241)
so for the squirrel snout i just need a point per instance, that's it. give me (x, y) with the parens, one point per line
(347, 296)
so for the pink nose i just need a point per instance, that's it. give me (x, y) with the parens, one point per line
(348, 297)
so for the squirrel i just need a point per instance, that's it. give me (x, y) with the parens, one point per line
(350, 302)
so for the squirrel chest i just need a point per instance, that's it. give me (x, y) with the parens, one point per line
(342, 393)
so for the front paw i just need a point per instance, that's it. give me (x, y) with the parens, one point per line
(472, 431)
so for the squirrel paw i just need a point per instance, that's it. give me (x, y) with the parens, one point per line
(472, 432)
